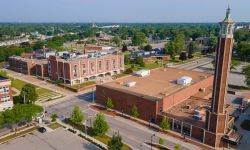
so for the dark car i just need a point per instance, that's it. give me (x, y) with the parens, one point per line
(42, 129)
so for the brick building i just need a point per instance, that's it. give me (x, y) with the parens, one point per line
(6, 100)
(153, 94)
(25, 65)
(199, 110)
(77, 68)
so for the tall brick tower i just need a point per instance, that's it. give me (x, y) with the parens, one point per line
(217, 117)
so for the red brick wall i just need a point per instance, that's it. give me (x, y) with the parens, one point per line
(197, 133)
(124, 102)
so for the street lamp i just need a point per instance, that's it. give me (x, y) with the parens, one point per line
(152, 140)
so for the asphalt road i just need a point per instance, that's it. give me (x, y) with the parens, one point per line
(195, 64)
(132, 133)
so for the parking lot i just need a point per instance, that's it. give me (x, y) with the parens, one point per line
(59, 139)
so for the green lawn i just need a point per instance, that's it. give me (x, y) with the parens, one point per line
(117, 76)
(55, 126)
(82, 85)
(105, 139)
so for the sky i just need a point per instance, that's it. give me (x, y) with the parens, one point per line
(124, 11)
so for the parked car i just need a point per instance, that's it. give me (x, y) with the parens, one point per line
(42, 129)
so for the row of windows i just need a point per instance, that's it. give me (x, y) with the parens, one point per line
(92, 67)
(5, 98)
(4, 89)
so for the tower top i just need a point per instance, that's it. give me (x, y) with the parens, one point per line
(228, 18)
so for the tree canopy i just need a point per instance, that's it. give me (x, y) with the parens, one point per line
(100, 125)
(139, 38)
(77, 116)
(246, 71)
(19, 113)
(115, 143)
(28, 94)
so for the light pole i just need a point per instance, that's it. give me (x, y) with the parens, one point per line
(93, 95)
(152, 140)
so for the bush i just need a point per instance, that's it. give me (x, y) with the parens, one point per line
(115, 143)
(53, 117)
(134, 111)
(161, 141)
(128, 71)
(164, 123)
(109, 103)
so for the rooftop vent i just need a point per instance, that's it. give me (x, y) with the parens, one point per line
(142, 73)
(130, 84)
(185, 80)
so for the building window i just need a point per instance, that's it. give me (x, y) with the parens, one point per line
(84, 70)
(107, 65)
(49, 67)
(100, 66)
(92, 68)
(120, 62)
(75, 71)
(4, 89)
(114, 64)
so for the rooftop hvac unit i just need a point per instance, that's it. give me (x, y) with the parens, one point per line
(185, 80)
(142, 73)
(131, 84)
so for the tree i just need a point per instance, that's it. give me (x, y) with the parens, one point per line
(115, 143)
(28, 94)
(100, 125)
(116, 40)
(246, 71)
(139, 61)
(165, 124)
(126, 60)
(148, 48)
(109, 104)
(212, 42)
(134, 111)
(139, 38)
(161, 141)
(177, 147)
(193, 46)
(77, 116)
(20, 113)
(234, 64)
(170, 49)
(53, 117)
(38, 45)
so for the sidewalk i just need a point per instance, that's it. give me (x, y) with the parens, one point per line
(82, 133)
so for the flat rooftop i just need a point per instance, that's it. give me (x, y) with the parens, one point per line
(201, 102)
(185, 110)
(159, 84)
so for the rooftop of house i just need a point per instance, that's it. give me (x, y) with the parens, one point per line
(159, 84)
